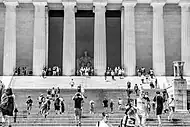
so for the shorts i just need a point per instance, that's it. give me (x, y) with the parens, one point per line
(29, 106)
(78, 112)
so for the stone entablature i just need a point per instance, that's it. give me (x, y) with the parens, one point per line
(91, 1)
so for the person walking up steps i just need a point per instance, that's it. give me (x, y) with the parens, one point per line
(111, 105)
(29, 103)
(141, 110)
(105, 104)
(57, 104)
(171, 108)
(92, 103)
(104, 122)
(77, 107)
(158, 99)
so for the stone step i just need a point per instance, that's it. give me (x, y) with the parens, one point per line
(165, 124)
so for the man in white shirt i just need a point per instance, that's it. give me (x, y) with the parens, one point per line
(141, 110)
(104, 121)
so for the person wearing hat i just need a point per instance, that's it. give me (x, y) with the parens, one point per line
(159, 100)
(7, 106)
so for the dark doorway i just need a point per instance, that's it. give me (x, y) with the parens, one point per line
(55, 44)
(84, 34)
(113, 38)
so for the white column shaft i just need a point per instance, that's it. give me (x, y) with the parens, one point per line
(9, 59)
(69, 39)
(39, 45)
(122, 37)
(185, 38)
(47, 36)
(158, 40)
(100, 40)
(129, 41)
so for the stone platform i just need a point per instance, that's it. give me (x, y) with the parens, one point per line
(93, 82)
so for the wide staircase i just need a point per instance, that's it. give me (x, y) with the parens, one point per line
(96, 89)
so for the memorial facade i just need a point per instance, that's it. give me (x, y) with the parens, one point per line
(126, 33)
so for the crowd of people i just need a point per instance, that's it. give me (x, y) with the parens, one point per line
(147, 77)
(54, 71)
(136, 110)
(22, 71)
(85, 71)
(117, 71)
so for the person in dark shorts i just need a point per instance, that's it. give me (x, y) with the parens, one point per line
(159, 100)
(57, 104)
(29, 103)
(78, 98)
(105, 104)
(111, 105)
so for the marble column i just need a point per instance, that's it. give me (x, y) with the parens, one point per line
(39, 45)
(100, 60)
(129, 50)
(158, 39)
(122, 37)
(185, 37)
(47, 35)
(69, 39)
(9, 58)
